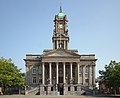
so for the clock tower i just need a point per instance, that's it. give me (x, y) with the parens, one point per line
(60, 37)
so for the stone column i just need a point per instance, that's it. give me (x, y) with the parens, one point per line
(50, 72)
(83, 74)
(43, 70)
(64, 81)
(93, 75)
(90, 77)
(71, 71)
(57, 73)
(78, 73)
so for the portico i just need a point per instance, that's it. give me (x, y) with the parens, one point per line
(58, 70)
(62, 72)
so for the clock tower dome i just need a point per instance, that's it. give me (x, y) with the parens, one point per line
(60, 37)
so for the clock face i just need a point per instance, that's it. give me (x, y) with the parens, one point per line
(60, 26)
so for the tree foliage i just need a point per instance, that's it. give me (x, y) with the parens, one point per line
(111, 75)
(10, 75)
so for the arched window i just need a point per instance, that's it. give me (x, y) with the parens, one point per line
(61, 45)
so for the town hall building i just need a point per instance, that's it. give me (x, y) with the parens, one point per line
(59, 70)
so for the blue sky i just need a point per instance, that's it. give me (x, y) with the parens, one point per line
(26, 26)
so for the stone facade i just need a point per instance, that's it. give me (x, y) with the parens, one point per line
(60, 70)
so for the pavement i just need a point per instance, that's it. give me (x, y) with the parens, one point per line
(49, 96)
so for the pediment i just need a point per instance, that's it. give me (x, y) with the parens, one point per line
(60, 53)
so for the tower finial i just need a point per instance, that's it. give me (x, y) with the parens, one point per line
(60, 7)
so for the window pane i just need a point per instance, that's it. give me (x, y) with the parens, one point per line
(34, 80)
(34, 70)
(86, 69)
(80, 69)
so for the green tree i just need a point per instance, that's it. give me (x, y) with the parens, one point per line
(111, 75)
(10, 75)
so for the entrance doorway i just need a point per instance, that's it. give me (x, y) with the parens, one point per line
(61, 88)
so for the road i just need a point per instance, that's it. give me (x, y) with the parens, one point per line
(47, 96)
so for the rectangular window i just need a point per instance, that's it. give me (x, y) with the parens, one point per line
(80, 69)
(34, 70)
(45, 88)
(34, 80)
(69, 88)
(75, 88)
(86, 78)
(86, 69)
(51, 88)
(80, 78)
